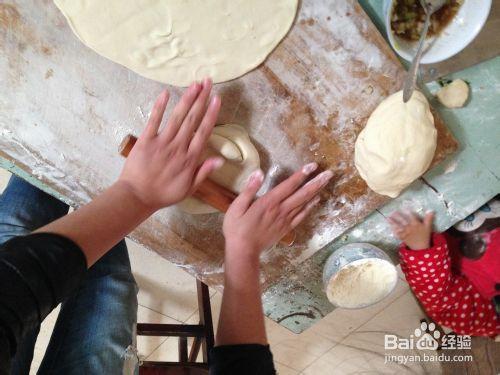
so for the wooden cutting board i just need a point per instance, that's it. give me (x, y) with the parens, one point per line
(64, 110)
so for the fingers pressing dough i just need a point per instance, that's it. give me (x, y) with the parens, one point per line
(242, 158)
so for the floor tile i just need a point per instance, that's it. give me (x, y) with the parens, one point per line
(284, 370)
(341, 322)
(163, 287)
(401, 317)
(300, 351)
(296, 351)
(43, 339)
(169, 350)
(147, 344)
(363, 350)
(4, 178)
(215, 303)
(348, 358)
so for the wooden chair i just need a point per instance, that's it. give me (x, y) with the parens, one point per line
(203, 334)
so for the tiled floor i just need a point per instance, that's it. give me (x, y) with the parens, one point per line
(345, 341)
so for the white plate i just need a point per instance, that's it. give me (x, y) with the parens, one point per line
(462, 30)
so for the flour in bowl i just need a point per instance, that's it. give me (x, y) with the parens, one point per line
(362, 283)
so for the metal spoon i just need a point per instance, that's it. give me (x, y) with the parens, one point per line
(430, 7)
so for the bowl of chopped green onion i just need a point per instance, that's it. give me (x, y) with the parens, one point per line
(452, 28)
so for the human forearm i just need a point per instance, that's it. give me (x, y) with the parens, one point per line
(250, 226)
(162, 169)
(241, 319)
(99, 225)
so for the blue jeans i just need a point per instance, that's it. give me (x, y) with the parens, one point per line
(94, 332)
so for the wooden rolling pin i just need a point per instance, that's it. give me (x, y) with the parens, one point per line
(209, 192)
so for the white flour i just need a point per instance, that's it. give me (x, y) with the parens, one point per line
(362, 283)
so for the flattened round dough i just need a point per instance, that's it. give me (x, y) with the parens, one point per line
(242, 158)
(179, 41)
(455, 94)
(397, 144)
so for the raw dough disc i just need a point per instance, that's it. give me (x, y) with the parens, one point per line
(242, 158)
(397, 144)
(179, 41)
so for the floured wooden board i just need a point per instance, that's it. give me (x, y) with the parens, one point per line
(64, 110)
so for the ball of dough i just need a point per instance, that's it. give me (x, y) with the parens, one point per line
(454, 95)
(242, 158)
(397, 145)
(179, 41)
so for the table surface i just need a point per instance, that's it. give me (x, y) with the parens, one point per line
(454, 189)
(307, 102)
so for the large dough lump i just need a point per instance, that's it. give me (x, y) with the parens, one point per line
(179, 41)
(397, 145)
(242, 158)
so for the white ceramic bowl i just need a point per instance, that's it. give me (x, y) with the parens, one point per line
(461, 30)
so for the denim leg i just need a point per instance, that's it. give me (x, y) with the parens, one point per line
(24, 208)
(96, 325)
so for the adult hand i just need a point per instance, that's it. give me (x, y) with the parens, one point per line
(413, 231)
(164, 167)
(252, 226)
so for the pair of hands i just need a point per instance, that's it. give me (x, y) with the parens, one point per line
(165, 166)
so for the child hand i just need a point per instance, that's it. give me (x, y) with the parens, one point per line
(412, 230)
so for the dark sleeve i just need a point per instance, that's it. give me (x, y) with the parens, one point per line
(248, 359)
(37, 272)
